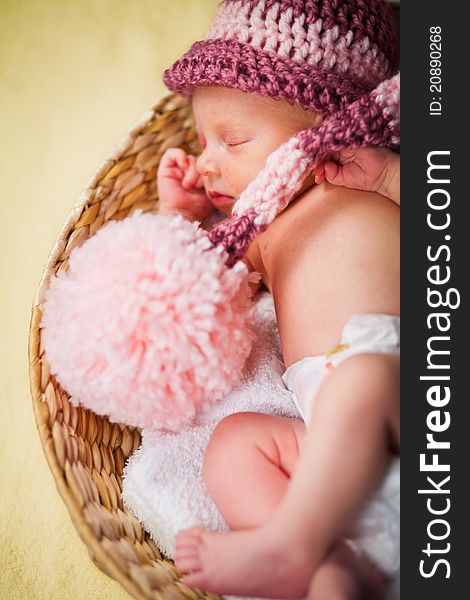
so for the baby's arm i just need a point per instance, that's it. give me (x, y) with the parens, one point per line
(368, 169)
(180, 186)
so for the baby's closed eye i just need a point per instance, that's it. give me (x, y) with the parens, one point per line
(233, 141)
(234, 136)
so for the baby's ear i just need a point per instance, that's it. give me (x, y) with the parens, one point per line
(310, 118)
(317, 119)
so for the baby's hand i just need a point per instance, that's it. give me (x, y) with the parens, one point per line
(180, 186)
(368, 169)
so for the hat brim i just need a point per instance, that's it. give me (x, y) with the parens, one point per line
(229, 63)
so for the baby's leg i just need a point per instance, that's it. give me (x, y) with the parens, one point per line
(354, 430)
(248, 464)
(251, 454)
(247, 467)
(344, 576)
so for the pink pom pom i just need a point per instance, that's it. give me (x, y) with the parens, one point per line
(147, 326)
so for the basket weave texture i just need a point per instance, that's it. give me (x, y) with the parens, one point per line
(87, 453)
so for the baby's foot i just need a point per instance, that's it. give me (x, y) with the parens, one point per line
(248, 562)
(345, 576)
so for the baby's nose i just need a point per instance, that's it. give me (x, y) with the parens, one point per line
(206, 165)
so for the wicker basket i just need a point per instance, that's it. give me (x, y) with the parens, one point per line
(85, 452)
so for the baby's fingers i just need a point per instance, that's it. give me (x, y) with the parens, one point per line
(172, 159)
(333, 173)
(329, 170)
(319, 173)
(191, 178)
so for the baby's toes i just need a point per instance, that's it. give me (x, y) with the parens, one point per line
(187, 564)
(186, 551)
(189, 537)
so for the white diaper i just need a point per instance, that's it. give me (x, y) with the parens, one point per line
(361, 334)
(379, 524)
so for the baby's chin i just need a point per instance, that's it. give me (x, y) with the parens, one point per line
(223, 203)
(225, 209)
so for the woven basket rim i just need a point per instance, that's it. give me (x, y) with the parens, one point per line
(95, 550)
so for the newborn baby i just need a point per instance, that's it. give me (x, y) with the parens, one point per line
(290, 488)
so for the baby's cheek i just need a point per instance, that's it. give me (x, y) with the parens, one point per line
(240, 177)
(255, 165)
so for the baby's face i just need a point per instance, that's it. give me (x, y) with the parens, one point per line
(237, 132)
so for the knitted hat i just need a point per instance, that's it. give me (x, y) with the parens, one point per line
(337, 57)
(321, 54)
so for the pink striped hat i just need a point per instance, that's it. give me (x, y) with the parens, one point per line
(337, 57)
(320, 54)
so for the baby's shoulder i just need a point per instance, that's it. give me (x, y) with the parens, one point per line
(330, 216)
(347, 207)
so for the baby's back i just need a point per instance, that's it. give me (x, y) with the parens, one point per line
(333, 253)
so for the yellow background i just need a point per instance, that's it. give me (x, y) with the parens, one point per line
(75, 75)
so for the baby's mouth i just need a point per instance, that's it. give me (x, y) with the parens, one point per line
(221, 200)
